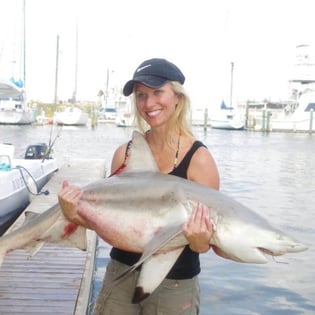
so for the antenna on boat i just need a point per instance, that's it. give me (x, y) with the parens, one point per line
(51, 142)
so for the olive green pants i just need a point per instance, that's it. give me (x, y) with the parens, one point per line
(172, 297)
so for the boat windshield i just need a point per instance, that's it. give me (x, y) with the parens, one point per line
(310, 106)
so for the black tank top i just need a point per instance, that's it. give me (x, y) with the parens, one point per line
(187, 264)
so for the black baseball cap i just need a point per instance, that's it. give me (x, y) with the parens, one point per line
(154, 73)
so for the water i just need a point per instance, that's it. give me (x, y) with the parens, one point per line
(274, 174)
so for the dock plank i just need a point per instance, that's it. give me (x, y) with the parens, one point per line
(57, 280)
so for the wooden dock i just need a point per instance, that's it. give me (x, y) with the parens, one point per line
(57, 280)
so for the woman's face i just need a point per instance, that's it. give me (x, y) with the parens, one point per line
(156, 106)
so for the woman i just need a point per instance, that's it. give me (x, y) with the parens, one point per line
(161, 108)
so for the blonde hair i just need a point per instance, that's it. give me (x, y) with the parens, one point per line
(180, 121)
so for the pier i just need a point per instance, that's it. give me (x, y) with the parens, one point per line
(57, 279)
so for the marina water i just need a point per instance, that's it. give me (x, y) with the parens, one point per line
(271, 173)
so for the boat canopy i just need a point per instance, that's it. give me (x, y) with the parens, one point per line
(10, 89)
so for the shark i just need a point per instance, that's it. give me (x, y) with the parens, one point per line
(142, 210)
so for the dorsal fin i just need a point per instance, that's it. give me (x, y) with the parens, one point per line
(140, 157)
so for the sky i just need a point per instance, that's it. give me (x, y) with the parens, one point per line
(202, 37)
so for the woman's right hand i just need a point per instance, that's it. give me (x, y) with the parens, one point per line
(69, 200)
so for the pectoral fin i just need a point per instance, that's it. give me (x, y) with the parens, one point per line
(66, 233)
(62, 232)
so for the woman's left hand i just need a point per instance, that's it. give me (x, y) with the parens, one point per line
(198, 230)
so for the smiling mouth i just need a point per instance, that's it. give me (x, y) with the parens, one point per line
(153, 113)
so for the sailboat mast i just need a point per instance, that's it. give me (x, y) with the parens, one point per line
(76, 64)
(231, 86)
(57, 68)
(24, 45)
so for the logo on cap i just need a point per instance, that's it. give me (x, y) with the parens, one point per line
(141, 68)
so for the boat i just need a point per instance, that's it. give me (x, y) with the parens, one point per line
(124, 119)
(125, 116)
(227, 118)
(71, 116)
(22, 178)
(14, 109)
(107, 114)
(13, 105)
(297, 113)
(299, 119)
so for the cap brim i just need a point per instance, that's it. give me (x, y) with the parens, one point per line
(150, 81)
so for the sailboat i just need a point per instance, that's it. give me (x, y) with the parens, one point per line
(14, 109)
(71, 115)
(227, 117)
(13, 105)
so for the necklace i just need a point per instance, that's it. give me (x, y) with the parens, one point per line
(177, 151)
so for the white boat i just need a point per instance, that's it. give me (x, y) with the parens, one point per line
(20, 179)
(124, 119)
(125, 116)
(107, 114)
(71, 116)
(13, 105)
(301, 119)
(14, 109)
(227, 118)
